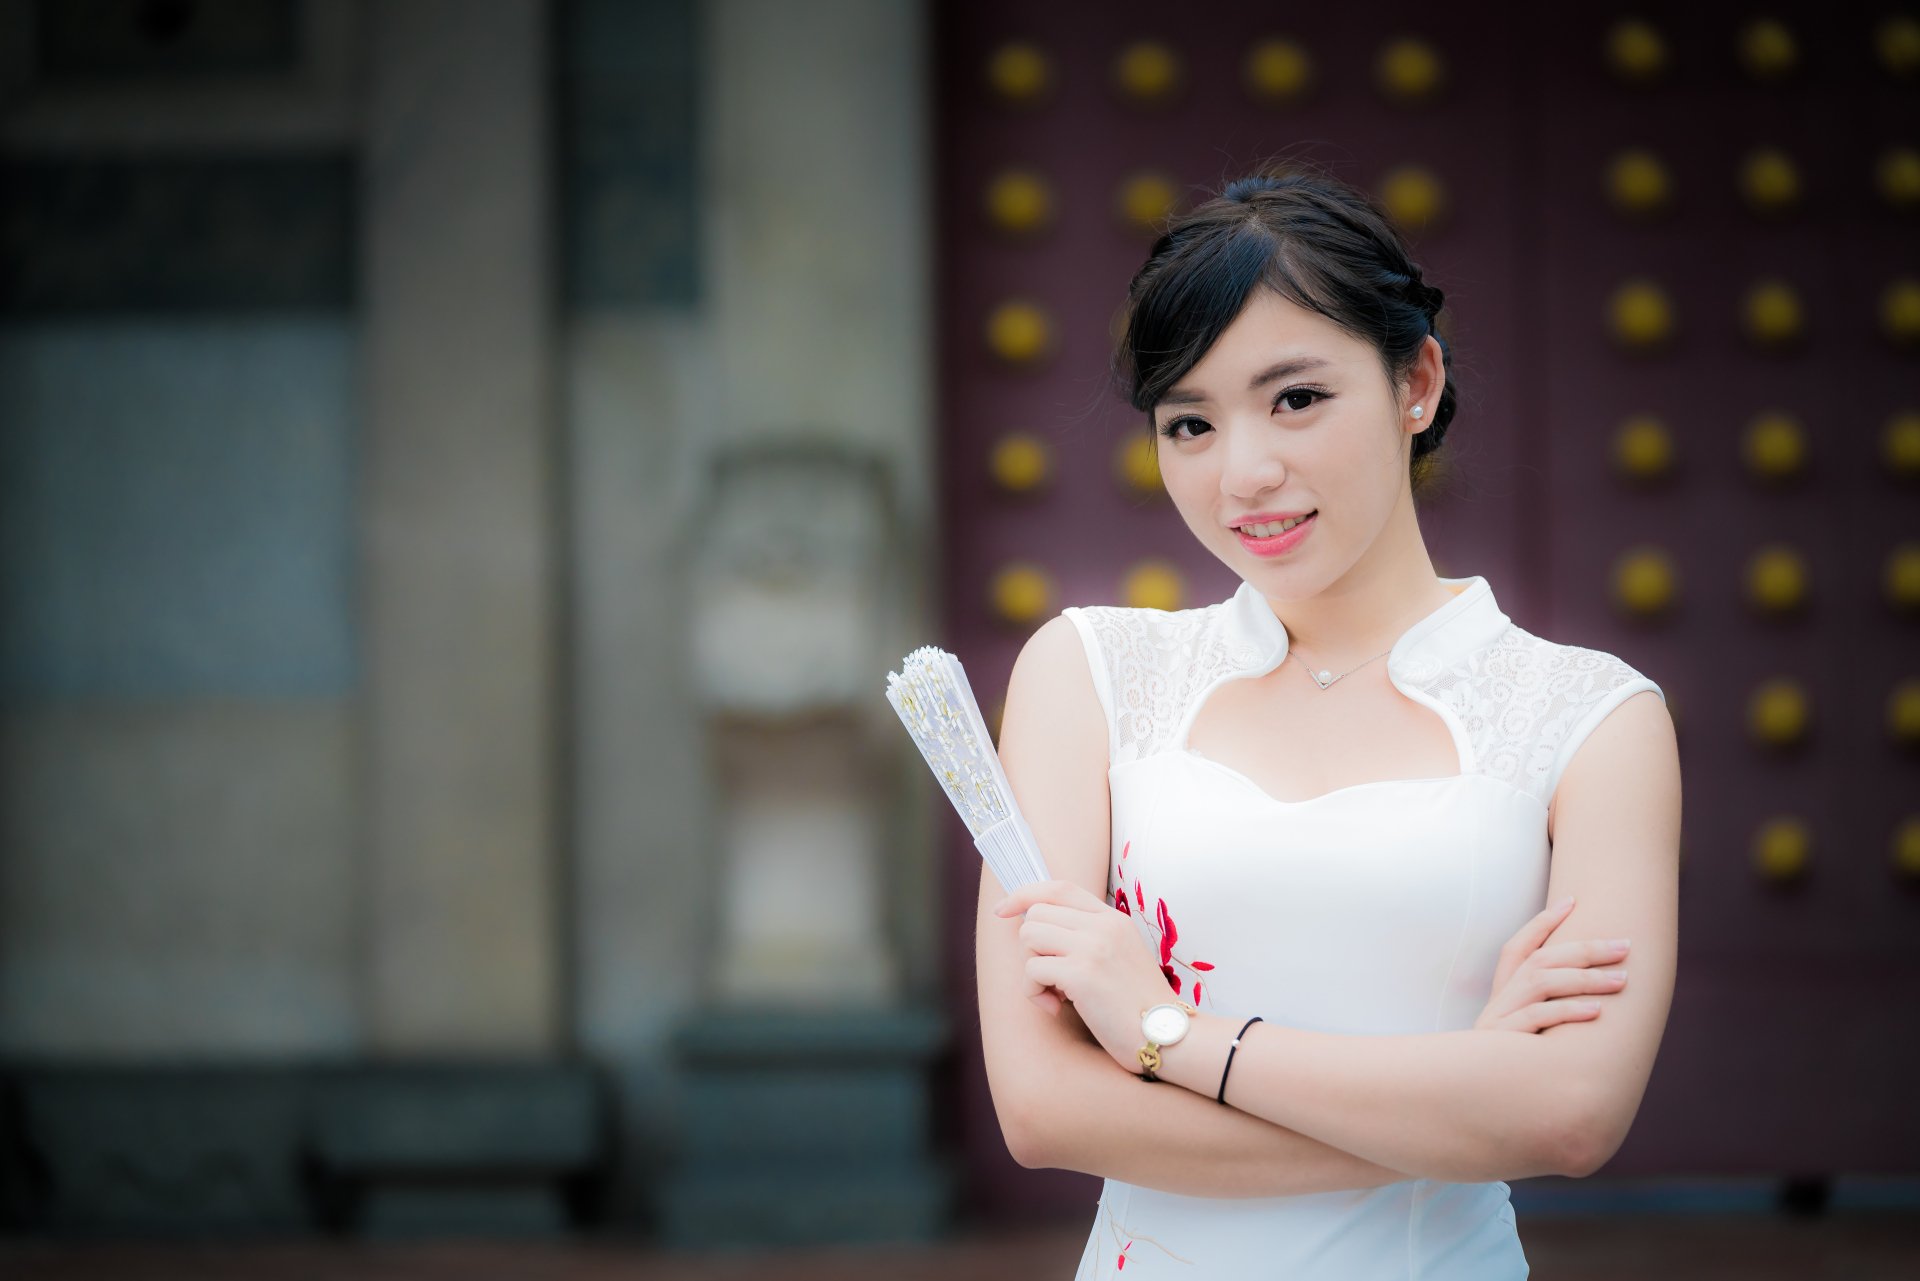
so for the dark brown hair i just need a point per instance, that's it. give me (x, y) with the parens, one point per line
(1312, 239)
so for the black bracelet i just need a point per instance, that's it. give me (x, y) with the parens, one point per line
(1221, 1098)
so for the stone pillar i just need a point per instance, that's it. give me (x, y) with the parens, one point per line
(817, 161)
(460, 607)
(808, 1080)
(793, 582)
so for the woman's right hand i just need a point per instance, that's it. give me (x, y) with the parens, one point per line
(1538, 984)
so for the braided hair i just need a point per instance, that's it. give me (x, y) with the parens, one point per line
(1311, 238)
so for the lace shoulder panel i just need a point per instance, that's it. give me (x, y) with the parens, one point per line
(1528, 704)
(1147, 666)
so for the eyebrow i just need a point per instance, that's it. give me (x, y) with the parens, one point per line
(1286, 368)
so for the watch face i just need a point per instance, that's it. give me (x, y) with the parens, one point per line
(1164, 1024)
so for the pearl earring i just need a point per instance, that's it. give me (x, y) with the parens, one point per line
(1418, 410)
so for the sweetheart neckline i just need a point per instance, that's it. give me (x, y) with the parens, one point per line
(1196, 754)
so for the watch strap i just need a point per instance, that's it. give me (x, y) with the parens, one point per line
(1149, 1053)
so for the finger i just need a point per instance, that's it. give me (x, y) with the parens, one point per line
(1063, 895)
(1048, 912)
(1044, 938)
(1022, 899)
(1543, 985)
(1067, 914)
(1545, 1014)
(1582, 952)
(1046, 998)
(1575, 982)
(1537, 1015)
(1026, 896)
(1075, 896)
(1528, 939)
(1050, 971)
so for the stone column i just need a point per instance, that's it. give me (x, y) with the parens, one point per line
(461, 603)
(816, 158)
(809, 1078)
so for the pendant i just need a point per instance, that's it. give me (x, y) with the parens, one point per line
(1324, 678)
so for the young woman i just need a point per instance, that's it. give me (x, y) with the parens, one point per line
(1348, 864)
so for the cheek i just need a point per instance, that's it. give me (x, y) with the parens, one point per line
(1192, 487)
(1356, 468)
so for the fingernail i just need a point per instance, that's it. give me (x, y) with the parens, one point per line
(1619, 943)
(1563, 903)
(1000, 908)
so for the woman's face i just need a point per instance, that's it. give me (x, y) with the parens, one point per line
(1285, 414)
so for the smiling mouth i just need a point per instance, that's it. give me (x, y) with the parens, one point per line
(1273, 528)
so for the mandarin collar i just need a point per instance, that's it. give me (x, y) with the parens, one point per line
(1454, 629)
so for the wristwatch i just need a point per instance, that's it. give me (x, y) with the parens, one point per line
(1162, 1025)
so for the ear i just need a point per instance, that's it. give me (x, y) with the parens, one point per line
(1425, 382)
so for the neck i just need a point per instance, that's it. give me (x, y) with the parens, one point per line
(1361, 615)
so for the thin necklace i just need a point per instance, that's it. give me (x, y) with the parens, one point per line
(1324, 679)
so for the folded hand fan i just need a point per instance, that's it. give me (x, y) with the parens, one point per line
(936, 705)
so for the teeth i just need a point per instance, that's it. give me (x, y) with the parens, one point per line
(1268, 529)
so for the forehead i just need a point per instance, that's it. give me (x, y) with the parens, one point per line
(1272, 337)
(1269, 319)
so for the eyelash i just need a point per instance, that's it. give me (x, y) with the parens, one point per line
(1317, 393)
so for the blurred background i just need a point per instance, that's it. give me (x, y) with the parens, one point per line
(466, 469)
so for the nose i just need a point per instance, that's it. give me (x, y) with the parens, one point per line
(1252, 465)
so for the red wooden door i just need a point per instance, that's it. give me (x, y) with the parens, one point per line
(1517, 139)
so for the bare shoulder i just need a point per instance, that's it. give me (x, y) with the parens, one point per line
(1639, 728)
(1053, 708)
(1055, 644)
(1052, 655)
(1633, 750)
(1588, 718)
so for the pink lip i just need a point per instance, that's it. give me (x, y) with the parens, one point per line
(1278, 544)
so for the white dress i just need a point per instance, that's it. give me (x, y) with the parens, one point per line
(1378, 908)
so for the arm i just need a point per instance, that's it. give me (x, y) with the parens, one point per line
(1061, 1100)
(1065, 1104)
(1478, 1105)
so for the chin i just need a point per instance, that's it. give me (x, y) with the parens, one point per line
(1297, 578)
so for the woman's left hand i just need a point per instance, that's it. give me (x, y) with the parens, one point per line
(1093, 954)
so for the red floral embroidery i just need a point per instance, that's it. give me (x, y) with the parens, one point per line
(1167, 936)
(1122, 1264)
(1168, 931)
